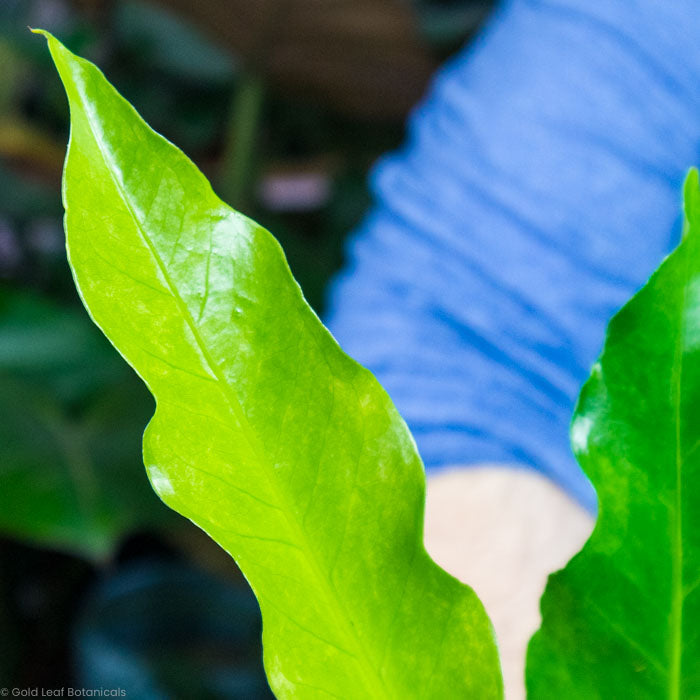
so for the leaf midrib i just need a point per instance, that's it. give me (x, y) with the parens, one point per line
(677, 595)
(308, 552)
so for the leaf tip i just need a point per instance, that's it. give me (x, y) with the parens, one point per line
(42, 32)
(691, 201)
(55, 46)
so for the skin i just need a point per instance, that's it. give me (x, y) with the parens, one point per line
(503, 530)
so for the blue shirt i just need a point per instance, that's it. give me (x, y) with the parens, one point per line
(539, 186)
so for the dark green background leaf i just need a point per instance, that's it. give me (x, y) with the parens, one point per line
(71, 413)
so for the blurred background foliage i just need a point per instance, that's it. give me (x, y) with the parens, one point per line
(284, 104)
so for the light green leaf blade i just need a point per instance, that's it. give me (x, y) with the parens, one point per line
(622, 620)
(266, 434)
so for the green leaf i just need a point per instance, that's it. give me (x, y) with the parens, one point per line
(266, 434)
(622, 619)
(56, 346)
(72, 414)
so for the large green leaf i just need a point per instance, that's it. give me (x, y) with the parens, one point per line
(622, 620)
(266, 434)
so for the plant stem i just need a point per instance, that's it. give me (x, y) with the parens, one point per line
(237, 166)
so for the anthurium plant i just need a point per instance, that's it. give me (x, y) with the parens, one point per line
(293, 458)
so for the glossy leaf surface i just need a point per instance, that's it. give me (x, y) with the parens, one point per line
(266, 434)
(622, 619)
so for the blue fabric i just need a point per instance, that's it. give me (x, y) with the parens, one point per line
(538, 189)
